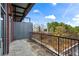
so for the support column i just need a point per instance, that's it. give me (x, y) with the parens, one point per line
(7, 29)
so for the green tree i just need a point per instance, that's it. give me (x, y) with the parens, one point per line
(52, 26)
(63, 29)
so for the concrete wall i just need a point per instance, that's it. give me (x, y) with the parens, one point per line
(22, 30)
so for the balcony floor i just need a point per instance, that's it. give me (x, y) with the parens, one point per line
(27, 48)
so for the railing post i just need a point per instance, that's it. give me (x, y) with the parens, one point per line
(68, 47)
(41, 38)
(74, 49)
(78, 47)
(58, 46)
(71, 48)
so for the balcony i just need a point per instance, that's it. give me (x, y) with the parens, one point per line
(16, 30)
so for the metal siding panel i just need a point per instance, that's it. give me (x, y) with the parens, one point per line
(22, 30)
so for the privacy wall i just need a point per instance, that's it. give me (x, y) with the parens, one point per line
(22, 30)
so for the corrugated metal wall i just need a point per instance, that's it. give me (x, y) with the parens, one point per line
(22, 30)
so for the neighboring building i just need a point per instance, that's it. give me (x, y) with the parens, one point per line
(36, 28)
(39, 28)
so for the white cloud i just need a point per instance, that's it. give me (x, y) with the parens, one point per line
(36, 11)
(70, 23)
(76, 18)
(52, 17)
(54, 3)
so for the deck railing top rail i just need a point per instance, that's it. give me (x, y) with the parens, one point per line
(50, 34)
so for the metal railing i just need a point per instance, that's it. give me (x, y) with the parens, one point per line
(62, 46)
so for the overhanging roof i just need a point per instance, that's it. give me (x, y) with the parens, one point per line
(20, 10)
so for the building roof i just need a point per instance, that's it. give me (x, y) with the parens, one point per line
(20, 10)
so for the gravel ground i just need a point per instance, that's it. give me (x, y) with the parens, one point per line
(27, 48)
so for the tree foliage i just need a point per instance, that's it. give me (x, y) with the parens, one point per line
(62, 29)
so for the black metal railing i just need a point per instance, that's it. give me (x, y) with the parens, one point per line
(60, 45)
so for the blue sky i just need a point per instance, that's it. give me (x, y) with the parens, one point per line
(42, 13)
